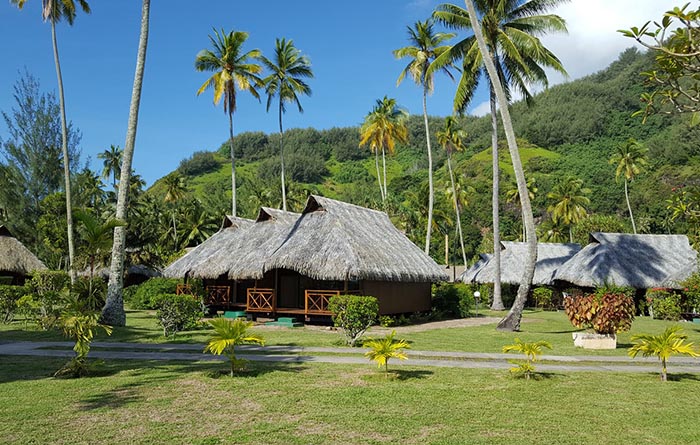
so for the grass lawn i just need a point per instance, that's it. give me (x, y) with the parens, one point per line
(190, 403)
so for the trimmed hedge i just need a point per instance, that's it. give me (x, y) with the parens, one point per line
(147, 293)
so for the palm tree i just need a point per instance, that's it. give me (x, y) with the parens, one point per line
(630, 160)
(569, 203)
(381, 350)
(227, 335)
(510, 30)
(232, 70)
(426, 45)
(289, 69)
(111, 161)
(174, 191)
(451, 140)
(97, 235)
(382, 128)
(664, 345)
(532, 352)
(54, 11)
(113, 312)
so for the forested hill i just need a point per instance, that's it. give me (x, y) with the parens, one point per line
(571, 130)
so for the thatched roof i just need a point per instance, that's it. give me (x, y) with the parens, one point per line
(230, 227)
(550, 256)
(333, 240)
(14, 257)
(622, 259)
(134, 269)
(330, 240)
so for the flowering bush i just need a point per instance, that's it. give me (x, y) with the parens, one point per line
(607, 312)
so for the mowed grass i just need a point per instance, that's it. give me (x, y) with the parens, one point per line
(191, 403)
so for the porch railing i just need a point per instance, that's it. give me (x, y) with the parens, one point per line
(261, 300)
(218, 295)
(183, 289)
(316, 301)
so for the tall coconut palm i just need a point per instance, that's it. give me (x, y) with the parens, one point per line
(289, 69)
(233, 70)
(569, 203)
(512, 321)
(111, 163)
(382, 128)
(426, 45)
(174, 191)
(510, 32)
(452, 139)
(54, 11)
(97, 236)
(113, 311)
(630, 160)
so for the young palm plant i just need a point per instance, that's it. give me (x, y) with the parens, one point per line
(227, 335)
(532, 351)
(385, 348)
(663, 346)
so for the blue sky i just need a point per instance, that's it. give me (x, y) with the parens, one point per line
(349, 44)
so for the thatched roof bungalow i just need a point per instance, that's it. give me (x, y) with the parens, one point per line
(291, 263)
(550, 256)
(623, 259)
(16, 261)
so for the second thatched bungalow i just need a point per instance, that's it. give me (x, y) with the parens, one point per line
(16, 261)
(293, 264)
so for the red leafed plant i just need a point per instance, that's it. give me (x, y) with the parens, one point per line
(604, 312)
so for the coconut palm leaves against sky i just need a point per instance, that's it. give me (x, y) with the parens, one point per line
(569, 203)
(426, 45)
(233, 70)
(510, 30)
(452, 139)
(630, 160)
(53, 11)
(382, 128)
(288, 69)
(111, 163)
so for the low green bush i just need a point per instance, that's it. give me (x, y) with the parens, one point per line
(43, 302)
(128, 294)
(691, 292)
(146, 295)
(354, 314)
(543, 297)
(9, 295)
(456, 300)
(664, 304)
(178, 312)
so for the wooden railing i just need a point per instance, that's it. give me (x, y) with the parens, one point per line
(183, 289)
(261, 300)
(218, 295)
(316, 301)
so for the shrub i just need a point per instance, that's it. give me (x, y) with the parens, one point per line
(543, 297)
(9, 295)
(455, 299)
(199, 163)
(670, 342)
(42, 304)
(128, 294)
(178, 312)
(91, 293)
(604, 312)
(227, 335)
(691, 291)
(664, 304)
(147, 293)
(353, 314)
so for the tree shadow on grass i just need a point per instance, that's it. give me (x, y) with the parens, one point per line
(680, 376)
(405, 374)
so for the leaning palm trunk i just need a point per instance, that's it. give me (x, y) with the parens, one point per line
(379, 176)
(430, 171)
(233, 164)
(284, 192)
(113, 312)
(454, 195)
(497, 304)
(384, 194)
(512, 321)
(66, 160)
(629, 207)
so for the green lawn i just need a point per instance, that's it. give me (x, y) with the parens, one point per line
(189, 403)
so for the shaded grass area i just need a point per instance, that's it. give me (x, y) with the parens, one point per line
(182, 403)
(553, 327)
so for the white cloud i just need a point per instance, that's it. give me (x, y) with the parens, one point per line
(482, 109)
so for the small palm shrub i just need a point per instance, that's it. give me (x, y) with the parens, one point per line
(227, 335)
(178, 312)
(532, 351)
(353, 314)
(670, 342)
(606, 311)
(382, 349)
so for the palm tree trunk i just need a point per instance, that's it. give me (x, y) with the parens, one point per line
(629, 207)
(233, 164)
(379, 176)
(512, 321)
(497, 304)
(454, 195)
(384, 164)
(284, 192)
(664, 374)
(66, 159)
(430, 171)
(174, 231)
(571, 234)
(113, 312)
